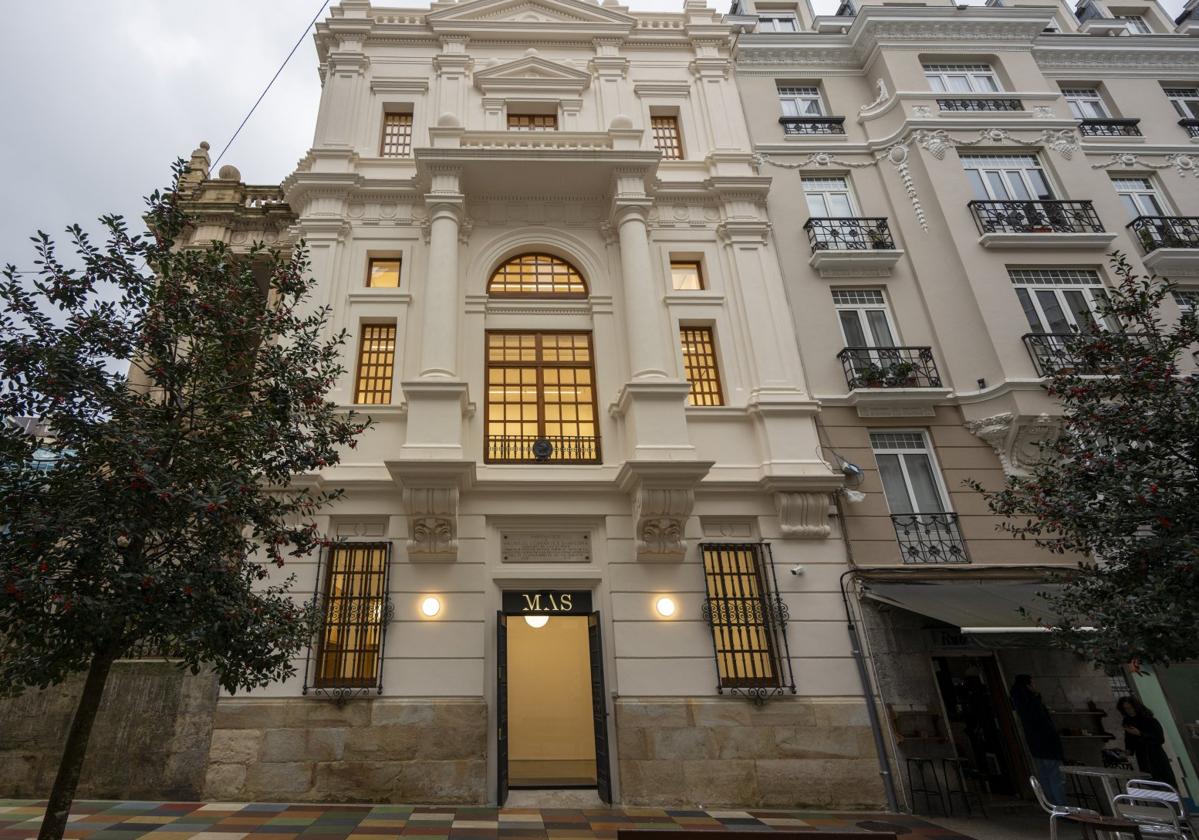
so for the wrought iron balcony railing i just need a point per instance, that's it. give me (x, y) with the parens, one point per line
(980, 104)
(1051, 352)
(1035, 217)
(849, 234)
(929, 538)
(1155, 232)
(812, 125)
(526, 449)
(889, 367)
(1109, 128)
(1192, 126)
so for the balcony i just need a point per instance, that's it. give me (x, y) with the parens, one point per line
(929, 538)
(1170, 243)
(1109, 128)
(812, 125)
(1192, 126)
(523, 449)
(1039, 224)
(981, 104)
(851, 247)
(889, 367)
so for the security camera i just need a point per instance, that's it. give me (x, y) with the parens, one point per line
(797, 570)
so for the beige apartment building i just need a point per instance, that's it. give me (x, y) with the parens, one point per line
(947, 182)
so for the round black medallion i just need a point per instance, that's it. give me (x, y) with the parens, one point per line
(542, 449)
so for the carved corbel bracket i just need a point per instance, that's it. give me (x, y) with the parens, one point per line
(663, 498)
(803, 515)
(430, 492)
(1017, 441)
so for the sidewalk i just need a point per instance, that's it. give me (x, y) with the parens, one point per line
(19, 820)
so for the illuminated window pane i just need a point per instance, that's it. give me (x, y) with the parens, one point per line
(397, 135)
(537, 275)
(541, 398)
(353, 618)
(667, 139)
(383, 274)
(532, 122)
(740, 614)
(686, 276)
(699, 363)
(376, 361)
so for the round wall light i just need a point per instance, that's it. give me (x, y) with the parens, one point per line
(430, 606)
(665, 606)
(537, 621)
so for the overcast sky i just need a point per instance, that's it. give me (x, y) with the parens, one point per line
(99, 96)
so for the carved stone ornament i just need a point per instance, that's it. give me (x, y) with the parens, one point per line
(803, 515)
(660, 517)
(1018, 442)
(879, 101)
(432, 522)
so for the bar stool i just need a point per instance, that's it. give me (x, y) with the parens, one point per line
(925, 767)
(952, 768)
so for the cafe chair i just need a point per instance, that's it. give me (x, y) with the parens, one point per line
(1155, 817)
(1154, 791)
(1056, 812)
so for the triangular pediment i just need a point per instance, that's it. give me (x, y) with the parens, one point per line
(533, 72)
(540, 16)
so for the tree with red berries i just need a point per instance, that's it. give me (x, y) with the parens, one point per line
(178, 393)
(1119, 486)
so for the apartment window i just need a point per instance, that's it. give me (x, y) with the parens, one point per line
(1187, 299)
(1139, 197)
(532, 122)
(699, 364)
(541, 404)
(667, 139)
(797, 101)
(828, 197)
(864, 317)
(376, 363)
(777, 23)
(1007, 177)
(537, 275)
(1185, 101)
(910, 478)
(747, 618)
(397, 135)
(1085, 103)
(1135, 24)
(961, 78)
(1059, 301)
(354, 616)
(383, 273)
(686, 275)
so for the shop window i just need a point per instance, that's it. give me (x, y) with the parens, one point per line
(354, 615)
(537, 275)
(383, 274)
(397, 136)
(699, 363)
(376, 363)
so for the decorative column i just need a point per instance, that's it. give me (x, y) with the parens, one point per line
(439, 336)
(643, 310)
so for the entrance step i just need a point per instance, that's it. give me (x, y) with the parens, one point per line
(551, 798)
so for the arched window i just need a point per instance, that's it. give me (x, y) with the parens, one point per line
(537, 275)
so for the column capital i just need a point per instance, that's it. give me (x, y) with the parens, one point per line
(630, 209)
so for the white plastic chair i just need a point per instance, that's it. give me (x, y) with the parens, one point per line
(1056, 812)
(1155, 817)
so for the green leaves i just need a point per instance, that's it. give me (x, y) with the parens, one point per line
(178, 405)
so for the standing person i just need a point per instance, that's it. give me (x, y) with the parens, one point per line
(1041, 737)
(1143, 737)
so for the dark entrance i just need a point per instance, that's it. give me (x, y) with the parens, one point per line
(980, 719)
(552, 728)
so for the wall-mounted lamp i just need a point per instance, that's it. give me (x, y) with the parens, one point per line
(537, 621)
(430, 606)
(665, 606)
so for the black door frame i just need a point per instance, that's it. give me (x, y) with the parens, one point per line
(599, 700)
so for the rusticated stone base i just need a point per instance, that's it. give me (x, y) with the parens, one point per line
(724, 751)
(419, 751)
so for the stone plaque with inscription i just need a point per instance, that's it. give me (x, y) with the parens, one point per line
(560, 547)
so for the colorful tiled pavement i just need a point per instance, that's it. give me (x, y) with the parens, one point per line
(19, 820)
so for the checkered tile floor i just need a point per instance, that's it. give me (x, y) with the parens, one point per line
(19, 820)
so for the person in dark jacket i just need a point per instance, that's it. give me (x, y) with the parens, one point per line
(1143, 738)
(1040, 734)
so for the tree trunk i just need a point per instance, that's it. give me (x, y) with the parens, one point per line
(71, 765)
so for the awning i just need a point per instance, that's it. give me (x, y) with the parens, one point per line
(975, 607)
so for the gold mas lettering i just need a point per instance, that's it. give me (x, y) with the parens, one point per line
(533, 603)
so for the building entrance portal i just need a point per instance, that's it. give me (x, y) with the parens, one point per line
(552, 715)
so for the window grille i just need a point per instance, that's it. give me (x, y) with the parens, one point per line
(667, 138)
(897, 440)
(376, 363)
(791, 90)
(748, 620)
(537, 275)
(532, 122)
(958, 68)
(1000, 162)
(397, 135)
(383, 274)
(686, 276)
(1054, 276)
(699, 363)
(849, 297)
(354, 610)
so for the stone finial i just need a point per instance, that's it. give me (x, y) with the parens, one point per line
(229, 172)
(448, 120)
(621, 122)
(198, 165)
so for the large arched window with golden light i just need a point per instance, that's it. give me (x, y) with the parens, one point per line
(537, 275)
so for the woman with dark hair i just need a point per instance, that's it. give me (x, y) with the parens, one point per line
(1143, 738)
